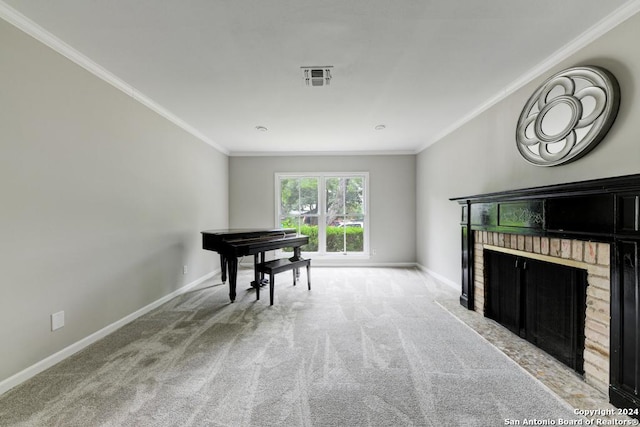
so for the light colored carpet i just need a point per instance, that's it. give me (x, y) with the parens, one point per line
(364, 347)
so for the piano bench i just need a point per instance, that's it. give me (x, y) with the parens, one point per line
(278, 266)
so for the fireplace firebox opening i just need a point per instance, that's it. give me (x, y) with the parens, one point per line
(542, 302)
(592, 257)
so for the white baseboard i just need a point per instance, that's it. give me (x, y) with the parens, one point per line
(321, 263)
(55, 358)
(440, 277)
(355, 263)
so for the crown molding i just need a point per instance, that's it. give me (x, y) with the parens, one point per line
(34, 30)
(29, 27)
(596, 31)
(319, 153)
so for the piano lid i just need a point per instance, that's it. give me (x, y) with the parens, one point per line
(236, 233)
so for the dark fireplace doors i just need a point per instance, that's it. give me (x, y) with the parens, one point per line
(541, 302)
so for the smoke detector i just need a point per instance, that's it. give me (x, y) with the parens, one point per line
(316, 76)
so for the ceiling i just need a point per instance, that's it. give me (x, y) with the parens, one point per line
(221, 68)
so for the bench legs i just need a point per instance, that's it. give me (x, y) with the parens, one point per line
(296, 272)
(296, 275)
(272, 284)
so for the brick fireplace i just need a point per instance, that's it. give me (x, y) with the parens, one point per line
(591, 256)
(589, 230)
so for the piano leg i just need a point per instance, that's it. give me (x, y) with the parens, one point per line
(262, 279)
(256, 276)
(223, 267)
(232, 263)
(296, 255)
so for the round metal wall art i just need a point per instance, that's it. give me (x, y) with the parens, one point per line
(567, 116)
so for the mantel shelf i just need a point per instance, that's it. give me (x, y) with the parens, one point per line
(601, 209)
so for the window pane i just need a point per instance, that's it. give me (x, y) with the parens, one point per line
(335, 210)
(290, 222)
(298, 196)
(354, 195)
(289, 195)
(312, 232)
(335, 234)
(309, 195)
(334, 197)
(345, 195)
(303, 226)
(299, 208)
(345, 234)
(354, 234)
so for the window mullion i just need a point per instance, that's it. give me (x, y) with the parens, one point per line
(343, 184)
(322, 216)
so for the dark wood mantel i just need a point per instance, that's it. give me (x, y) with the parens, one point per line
(604, 210)
(600, 208)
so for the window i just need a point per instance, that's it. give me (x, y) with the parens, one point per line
(330, 208)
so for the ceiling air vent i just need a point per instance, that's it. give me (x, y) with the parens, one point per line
(316, 76)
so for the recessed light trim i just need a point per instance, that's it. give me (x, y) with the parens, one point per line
(380, 127)
(261, 128)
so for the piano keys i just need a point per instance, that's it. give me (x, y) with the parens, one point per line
(235, 243)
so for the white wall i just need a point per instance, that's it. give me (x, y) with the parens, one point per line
(102, 202)
(482, 157)
(392, 196)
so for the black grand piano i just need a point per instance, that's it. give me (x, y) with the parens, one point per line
(235, 243)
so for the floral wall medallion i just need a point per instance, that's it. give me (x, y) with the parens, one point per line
(567, 116)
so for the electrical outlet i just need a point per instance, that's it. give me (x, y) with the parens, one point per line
(184, 269)
(57, 320)
(373, 252)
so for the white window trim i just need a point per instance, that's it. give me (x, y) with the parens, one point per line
(365, 254)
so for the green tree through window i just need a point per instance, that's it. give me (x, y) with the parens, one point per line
(335, 222)
(299, 208)
(345, 214)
